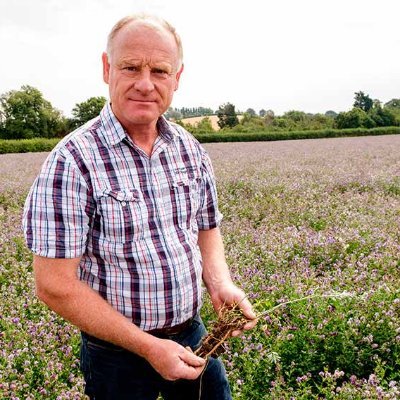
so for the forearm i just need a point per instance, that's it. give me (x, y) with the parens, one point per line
(86, 309)
(215, 268)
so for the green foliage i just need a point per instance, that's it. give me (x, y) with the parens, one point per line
(394, 107)
(355, 118)
(331, 114)
(362, 101)
(394, 103)
(227, 117)
(253, 136)
(368, 114)
(204, 126)
(27, 145)
(26, 114)
(251, 112)
(290, 121)
(262, 113)
(382, 116)
(87, 110)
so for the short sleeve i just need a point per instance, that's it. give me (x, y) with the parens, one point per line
(208, 216)
(57, 209)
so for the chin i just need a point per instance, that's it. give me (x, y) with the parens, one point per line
(143, 118)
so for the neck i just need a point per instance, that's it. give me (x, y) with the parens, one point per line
(144, 137)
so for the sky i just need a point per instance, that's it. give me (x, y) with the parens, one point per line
(280, 55)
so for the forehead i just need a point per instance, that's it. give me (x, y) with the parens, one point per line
(142, 40)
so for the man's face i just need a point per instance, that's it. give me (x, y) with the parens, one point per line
(142, 73)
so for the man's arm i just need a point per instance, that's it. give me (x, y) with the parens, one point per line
(217, 278)
(57, 285)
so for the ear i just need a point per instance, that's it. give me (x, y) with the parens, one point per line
(177, 77)
(106, 67)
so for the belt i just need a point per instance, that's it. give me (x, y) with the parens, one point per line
(172, 330)
(161, 333)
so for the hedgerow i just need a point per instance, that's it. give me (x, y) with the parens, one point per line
(41, 144)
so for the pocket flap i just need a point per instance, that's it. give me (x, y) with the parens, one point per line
(123, 195)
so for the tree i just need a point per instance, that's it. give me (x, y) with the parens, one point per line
(363, 101)
(26, 114)
(394, 107)
(262, 113)
(331, 114)
(355, 118)
(296, 116)
(269, 117)
(382, 116)
(173, 114)
(227, 116)
(251, 112)
(87, 110)
(394, 103)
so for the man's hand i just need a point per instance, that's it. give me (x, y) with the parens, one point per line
(172, 361)
(228, 293)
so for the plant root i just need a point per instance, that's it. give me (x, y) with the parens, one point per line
(230, 319)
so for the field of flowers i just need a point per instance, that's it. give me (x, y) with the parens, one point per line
(301, 218)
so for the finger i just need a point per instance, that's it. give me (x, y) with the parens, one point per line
(191, 359)
(247, 309)
(192, 372)
(236, 333)
(250, 325)
(246, 327)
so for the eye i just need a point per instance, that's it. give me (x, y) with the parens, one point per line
(160, 71)
(131, 68)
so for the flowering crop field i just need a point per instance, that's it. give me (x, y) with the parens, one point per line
(310, 218)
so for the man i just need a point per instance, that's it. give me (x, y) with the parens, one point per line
(123, 221)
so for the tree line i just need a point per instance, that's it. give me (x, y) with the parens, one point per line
(25, 114)
(187, 112)
(365, 113)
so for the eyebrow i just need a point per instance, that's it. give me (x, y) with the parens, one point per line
(161, 64)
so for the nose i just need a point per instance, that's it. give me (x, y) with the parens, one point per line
(144, 83)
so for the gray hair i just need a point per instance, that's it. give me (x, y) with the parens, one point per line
(150, 20)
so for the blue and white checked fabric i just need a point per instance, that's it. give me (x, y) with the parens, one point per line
(132, 219)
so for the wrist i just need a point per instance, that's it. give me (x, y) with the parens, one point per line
(215, 287)
(143, 344)
(215, 281)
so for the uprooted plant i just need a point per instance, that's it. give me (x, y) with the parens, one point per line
(231, 318)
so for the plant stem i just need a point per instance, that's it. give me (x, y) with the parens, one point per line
(313, 296)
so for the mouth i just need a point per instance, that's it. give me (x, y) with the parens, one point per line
(142, 101)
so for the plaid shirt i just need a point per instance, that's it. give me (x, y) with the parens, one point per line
(132, 219)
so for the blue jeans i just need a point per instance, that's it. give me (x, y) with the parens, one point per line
(112, 373)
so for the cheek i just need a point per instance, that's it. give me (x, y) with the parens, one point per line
(168, 90)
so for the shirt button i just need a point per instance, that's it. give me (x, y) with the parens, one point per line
(123, 203)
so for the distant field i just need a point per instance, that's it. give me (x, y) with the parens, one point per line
(196, 120)
(213, 118)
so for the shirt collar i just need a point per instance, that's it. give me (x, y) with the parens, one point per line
(115, 133)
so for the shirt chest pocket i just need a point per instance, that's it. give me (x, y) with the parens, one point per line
(186, 201)
(121, 215)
